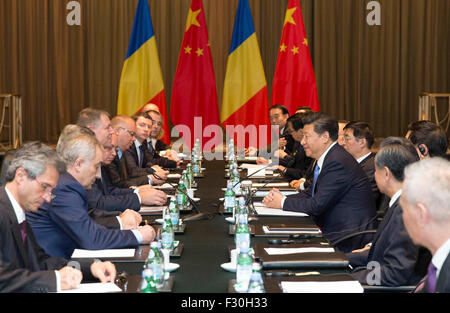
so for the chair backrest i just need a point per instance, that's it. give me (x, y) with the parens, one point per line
(5, 164)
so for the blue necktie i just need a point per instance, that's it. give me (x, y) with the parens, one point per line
(316, 175)
(141, 154)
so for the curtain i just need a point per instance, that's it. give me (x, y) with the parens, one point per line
(369, 73)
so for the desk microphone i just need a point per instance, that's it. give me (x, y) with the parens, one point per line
(248, 176)
(194, 217)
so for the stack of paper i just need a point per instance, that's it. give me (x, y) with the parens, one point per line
(269, 185)
(283, 251)
(152, 209)
(103, 254)
(261, 209)
(312, 231)
(321, 287)
(94, 288)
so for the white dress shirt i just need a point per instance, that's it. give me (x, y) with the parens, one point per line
(440, 256)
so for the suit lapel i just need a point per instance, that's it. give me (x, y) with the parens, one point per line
(384, 222)
(443, 275)
(6, 203)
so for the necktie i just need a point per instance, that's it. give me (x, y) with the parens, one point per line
(141, 155)
(431, 278)
(316, 175)
(23, 230)
(150, 147)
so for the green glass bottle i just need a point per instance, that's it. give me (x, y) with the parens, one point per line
(181, 195)
(148, 284)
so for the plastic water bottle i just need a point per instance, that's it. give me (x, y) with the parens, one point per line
(243, 208)
(167, 234)
(186, 180)
(256, 284)
(174, 212)
(181, 195)
(241, 233)
(229, 197)
(236, 179)
(148, 283)
(156, 263)
(243, 268)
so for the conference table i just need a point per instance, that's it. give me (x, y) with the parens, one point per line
(206, 245)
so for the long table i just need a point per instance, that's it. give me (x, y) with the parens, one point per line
(206, 242)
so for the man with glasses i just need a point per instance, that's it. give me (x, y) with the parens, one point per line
(24, 265)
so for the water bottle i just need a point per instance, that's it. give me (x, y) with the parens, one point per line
(190, 174)
(174, 213)
(181, 195)
(185, 179)
(156, 263)
(241, 233)
(243, 268)
(229, 197)
(167, 234)
(236, 179)
(256, 284)
(243, 208)
(148, 283)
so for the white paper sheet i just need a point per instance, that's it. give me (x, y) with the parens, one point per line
(147, 209)
(164, 186)
(313, 231)
(174, 176)
(262, 193)
(321, 287)
(261, 209)
(94, 288)
(107, 253)
(270, 185)
(283, 251)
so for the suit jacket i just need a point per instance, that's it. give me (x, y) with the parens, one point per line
(26, 267)
(104, 196)
(118, 173)
(150, 159)
(297, 163)
(159, 146)
(154, 157)
(393, 249)
(64, 224)
(368, 165)
(343, 201)
(443, 282)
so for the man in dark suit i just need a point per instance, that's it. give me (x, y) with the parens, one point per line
(24, 265)
(125, 130)
(340, 199)
(64, 224)
(429, 139)
(358, 140)
(392, 249)
(138, 158)
(426, 214)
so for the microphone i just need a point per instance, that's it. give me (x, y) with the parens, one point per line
(194, 217)
(252, 193)
(248, 176)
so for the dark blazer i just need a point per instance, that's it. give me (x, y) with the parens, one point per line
(118, 173)
(443, 282)
(343, 201)
(159, 146)
(368, 165)
(296, 163)
(64, 224)
(26, 267)
(393, 249)
(155, 158)
(105, 196)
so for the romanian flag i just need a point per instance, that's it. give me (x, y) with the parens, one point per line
(245, 99)
(194, 94)
(141, 80)
(294, 83)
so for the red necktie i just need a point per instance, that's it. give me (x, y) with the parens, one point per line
(23, 230)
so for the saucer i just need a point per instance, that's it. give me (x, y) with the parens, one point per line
(229, 267)
(231, 219)
(171, 267)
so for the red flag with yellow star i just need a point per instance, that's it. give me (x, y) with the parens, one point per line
(194, 91)
(294, 83)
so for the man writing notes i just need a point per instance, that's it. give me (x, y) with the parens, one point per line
(340, 198)
(24, 265)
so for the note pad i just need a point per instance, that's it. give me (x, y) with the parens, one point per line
(305, 231)
(262, 210)
(321, 287)
(174, 176)
(103, 254)
(283, 251)
(151, 209)
(94, 288)
(270, 185)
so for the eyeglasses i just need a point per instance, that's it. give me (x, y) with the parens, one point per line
(132, 134)
(46, 188)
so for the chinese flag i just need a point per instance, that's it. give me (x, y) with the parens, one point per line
(294, 83)
(194, 92)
